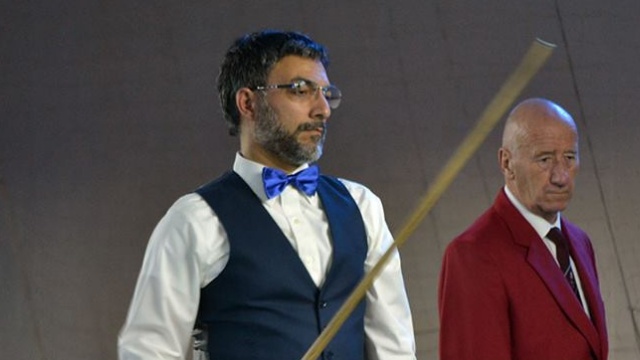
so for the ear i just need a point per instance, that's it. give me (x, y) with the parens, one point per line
(505, 163)
(246, 103)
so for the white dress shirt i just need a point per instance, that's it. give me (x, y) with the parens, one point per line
(189, 248)
(542, 227)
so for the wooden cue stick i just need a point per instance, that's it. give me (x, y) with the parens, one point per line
(533, 60)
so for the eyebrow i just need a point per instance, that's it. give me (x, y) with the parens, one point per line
(552, 152)
(300, 78)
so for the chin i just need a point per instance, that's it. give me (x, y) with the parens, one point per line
(554, 209)
(314, 151)
(315, 156)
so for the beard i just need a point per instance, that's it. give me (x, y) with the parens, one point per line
(274, 138)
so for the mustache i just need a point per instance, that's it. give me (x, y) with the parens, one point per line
(321, 125)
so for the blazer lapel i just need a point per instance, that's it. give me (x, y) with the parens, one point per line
(583, 258)
(541, 260)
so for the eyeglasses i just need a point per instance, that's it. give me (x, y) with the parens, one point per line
(306, 90)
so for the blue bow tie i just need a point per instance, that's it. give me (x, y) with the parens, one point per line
(275, 181)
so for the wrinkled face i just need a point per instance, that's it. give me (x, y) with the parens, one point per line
(291, 126)
(541, 170)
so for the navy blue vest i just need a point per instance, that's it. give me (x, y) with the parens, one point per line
(264, 304)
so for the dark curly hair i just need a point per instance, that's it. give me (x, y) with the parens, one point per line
(249, 60)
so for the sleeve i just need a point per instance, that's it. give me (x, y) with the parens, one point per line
(388, 323)
(163, 310)
(473, 305)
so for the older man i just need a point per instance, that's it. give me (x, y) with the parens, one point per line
(521, 282)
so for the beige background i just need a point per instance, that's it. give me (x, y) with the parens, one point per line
(108, 113)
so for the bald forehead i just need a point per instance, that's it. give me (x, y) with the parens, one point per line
(540, 110)
(535, 114)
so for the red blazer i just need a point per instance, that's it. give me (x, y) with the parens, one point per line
(502, 295)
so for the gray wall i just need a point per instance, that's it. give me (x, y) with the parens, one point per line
(108, 113)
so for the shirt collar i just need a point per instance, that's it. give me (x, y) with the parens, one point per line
(251, 172)
(540, 225)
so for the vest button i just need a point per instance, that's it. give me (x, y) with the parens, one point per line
(323, 304)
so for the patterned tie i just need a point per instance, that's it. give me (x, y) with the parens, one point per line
(562, 253)
(275, 181)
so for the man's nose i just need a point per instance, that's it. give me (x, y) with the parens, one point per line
(321, 109)
(560, 174)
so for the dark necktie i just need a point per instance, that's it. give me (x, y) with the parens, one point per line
(275, 181)
(562, 254)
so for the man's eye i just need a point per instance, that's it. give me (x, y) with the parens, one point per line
(300, 88)
(544, 161)
(300, 91)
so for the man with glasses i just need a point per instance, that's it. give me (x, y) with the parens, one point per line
(259, 260)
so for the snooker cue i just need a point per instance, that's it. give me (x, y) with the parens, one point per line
(535, 57)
